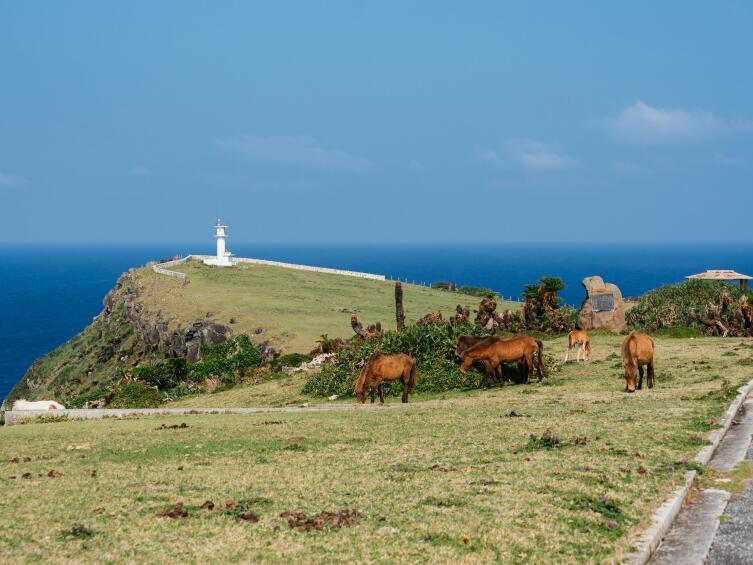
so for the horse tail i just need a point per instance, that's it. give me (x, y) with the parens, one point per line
(412, 375)
(588, 347)
(540, 359)
(570, 340)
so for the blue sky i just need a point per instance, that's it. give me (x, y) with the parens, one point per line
(376, 121)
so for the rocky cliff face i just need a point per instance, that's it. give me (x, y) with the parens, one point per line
(122, 336)
(153, 330)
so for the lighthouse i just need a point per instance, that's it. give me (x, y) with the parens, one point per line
(224, 257)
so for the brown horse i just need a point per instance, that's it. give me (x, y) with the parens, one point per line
(466, 341)
(637, 351)
(379, 368)
(506, 350)
(579, 338)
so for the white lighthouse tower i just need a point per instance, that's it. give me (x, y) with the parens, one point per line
(224, 257)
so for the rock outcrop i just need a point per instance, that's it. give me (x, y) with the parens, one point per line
(603, 306)
(153, 328)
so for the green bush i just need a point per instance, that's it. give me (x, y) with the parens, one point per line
(290, 360)
(433, 348)
(136, 394)
(680, 305)
(162, 375)
(478, 291)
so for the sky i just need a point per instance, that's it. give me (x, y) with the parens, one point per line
(376, 121)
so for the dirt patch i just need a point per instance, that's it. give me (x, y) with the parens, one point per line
(441, 469)
(240, 509)
(174, 426)
(303, 523)
(54, 474)
(176, 511)
(272, 422)
(208, 505)
(20, 459)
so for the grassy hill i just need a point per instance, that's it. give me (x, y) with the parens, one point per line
(564, 471)
(293, 307)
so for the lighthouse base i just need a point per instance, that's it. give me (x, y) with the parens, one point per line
(219, 262)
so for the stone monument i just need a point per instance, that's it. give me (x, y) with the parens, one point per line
(602, 307)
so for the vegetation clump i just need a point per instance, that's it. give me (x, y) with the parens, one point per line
(432, 346)
(714, 307)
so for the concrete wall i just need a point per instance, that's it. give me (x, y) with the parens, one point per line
(162, 270)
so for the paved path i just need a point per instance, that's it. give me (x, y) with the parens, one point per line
(697, 535)
(733, 543)
(13, 416)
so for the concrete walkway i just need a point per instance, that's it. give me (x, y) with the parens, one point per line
(697, 536)
(13, 416)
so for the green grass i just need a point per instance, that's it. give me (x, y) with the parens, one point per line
(455, 474)
(294, 307)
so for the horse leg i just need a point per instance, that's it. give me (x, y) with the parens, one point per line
(406, 379)
(650, 369)
(640, 376)
(371, 391)
(529, 367)
(381, 393)
(567, 354)
(582, 351)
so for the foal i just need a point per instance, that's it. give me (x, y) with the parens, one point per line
(579, 338)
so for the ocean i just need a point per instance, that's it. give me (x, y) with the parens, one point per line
(48, 293)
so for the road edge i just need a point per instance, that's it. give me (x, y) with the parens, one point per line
(664, 517)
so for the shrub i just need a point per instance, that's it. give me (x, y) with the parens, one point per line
(681, 305)
(290, 360)
(441, 285)
(477, 291)
(162, 375)
(433, 348)
(136, 394)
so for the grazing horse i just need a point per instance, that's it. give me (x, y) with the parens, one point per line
(637, 351)
(579, 338)
(506, 350)
(37, 405)
(379, 368)
(467, 341)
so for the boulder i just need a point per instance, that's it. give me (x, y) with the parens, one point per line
(603, 306)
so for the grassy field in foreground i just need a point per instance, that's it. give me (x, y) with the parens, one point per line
(294, 307)
(455, 478)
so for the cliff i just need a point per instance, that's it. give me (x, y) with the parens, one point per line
(125, 334)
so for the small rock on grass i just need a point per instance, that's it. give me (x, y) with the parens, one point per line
(387, 531)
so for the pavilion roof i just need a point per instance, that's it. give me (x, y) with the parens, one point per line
(720, 275)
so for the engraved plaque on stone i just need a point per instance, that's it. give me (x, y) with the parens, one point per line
(602, 302)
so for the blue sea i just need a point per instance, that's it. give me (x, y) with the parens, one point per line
(49, 293)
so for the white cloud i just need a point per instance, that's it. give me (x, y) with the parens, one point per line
(641, 123)
(725, 159)
(296, 150)
(9, 181)
(140, 171)
(530, 155)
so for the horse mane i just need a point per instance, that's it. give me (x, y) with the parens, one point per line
(479, 345)
(626, 350)
(361, 383)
